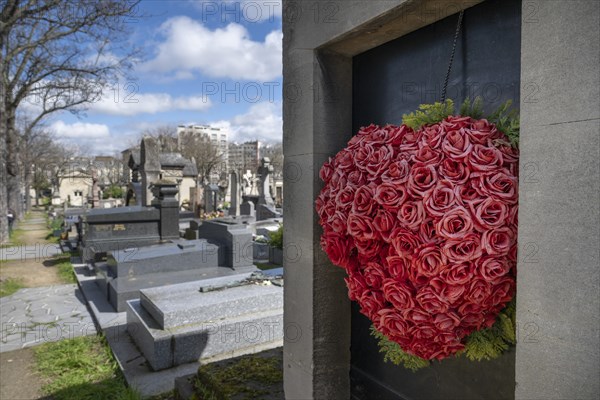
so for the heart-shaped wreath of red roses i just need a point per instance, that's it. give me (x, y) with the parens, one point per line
(424, 221)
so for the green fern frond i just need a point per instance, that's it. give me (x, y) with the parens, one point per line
(491, 342)
(473, 110)
(394, 353)
(507, 121)
(429, 114)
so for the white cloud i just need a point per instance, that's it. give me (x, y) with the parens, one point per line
(223, 53)
(261, 122)
(80, 130)
(129, 103)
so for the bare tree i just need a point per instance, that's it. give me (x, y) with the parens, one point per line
(207, 154)
(57, 55)
(166, 135)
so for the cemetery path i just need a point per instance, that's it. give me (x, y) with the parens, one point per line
(34, 316)
(33, 232)
(16, 368)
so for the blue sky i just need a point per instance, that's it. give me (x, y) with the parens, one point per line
(205, 62)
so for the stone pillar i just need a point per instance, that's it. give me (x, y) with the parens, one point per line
(558, 349)
(234, 207)
(164, 199)
(149, 167)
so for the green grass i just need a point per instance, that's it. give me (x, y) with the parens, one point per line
(265, 266)
(15, 238)
(65, 268)
(10, 286)
(82, 368)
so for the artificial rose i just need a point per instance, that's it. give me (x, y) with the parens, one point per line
(425, 223)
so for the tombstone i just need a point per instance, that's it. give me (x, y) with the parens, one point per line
(164, 199)
(247, 208)
(149, 168)
(265, 208)
(234, 208)
(234, 240)
(210, 198)
(95, 188)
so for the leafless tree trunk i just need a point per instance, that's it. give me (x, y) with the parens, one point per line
(45, 58)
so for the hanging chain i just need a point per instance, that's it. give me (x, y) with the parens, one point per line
(458, 25)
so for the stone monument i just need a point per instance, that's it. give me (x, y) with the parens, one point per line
(234, 207)
(150, 167)
(265, 207)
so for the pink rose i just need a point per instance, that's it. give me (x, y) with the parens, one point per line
(427, 156)
(427, 231)
(371, 302)
(432, 136)
(430, 301)
(447, 321)
(356, 179)
(499, 185)
(458, 273)
(396, 134)
(391, 323)
(344, 160)
(481, 131)
(404, 241)
(326, 171)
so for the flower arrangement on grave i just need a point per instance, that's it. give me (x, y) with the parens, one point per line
(423, 218)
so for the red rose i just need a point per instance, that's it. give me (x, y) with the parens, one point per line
(356, 179)
(367, 249)
(384, 222)
(451, 294)
(362, 155)
(497, 241)
(456, 145)
(344, 160)
(390, 196)
(454, 171)
(356, 285)
(481, 131)
(427, 156)
(503, 291)
(430, 301)
(499, 185)
(454, 123)
(485, 158)
(371, 302)
(398, 267)
(432, 136)
(458, 273)
(397, 173)
(399, 294)
(478, 291)
(492, 269)
(379, 160)
(338, 222)
(428, 260)
(396, 134)
(391, 323)
(455, 224)
(404, 241)
(447, 321)
(344, 198)
(490, 214)
(465, 249)
(374, 275)
(326, 171)
(338, 249)
(427, 231)
(363, 200)
(411, 214)
(440, 199)
(360, 226)
(421, 179)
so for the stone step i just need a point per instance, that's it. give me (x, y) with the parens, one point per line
(166, 348)
(121, 289)
(170, 305)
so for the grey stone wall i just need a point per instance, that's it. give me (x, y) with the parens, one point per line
(557, 286)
